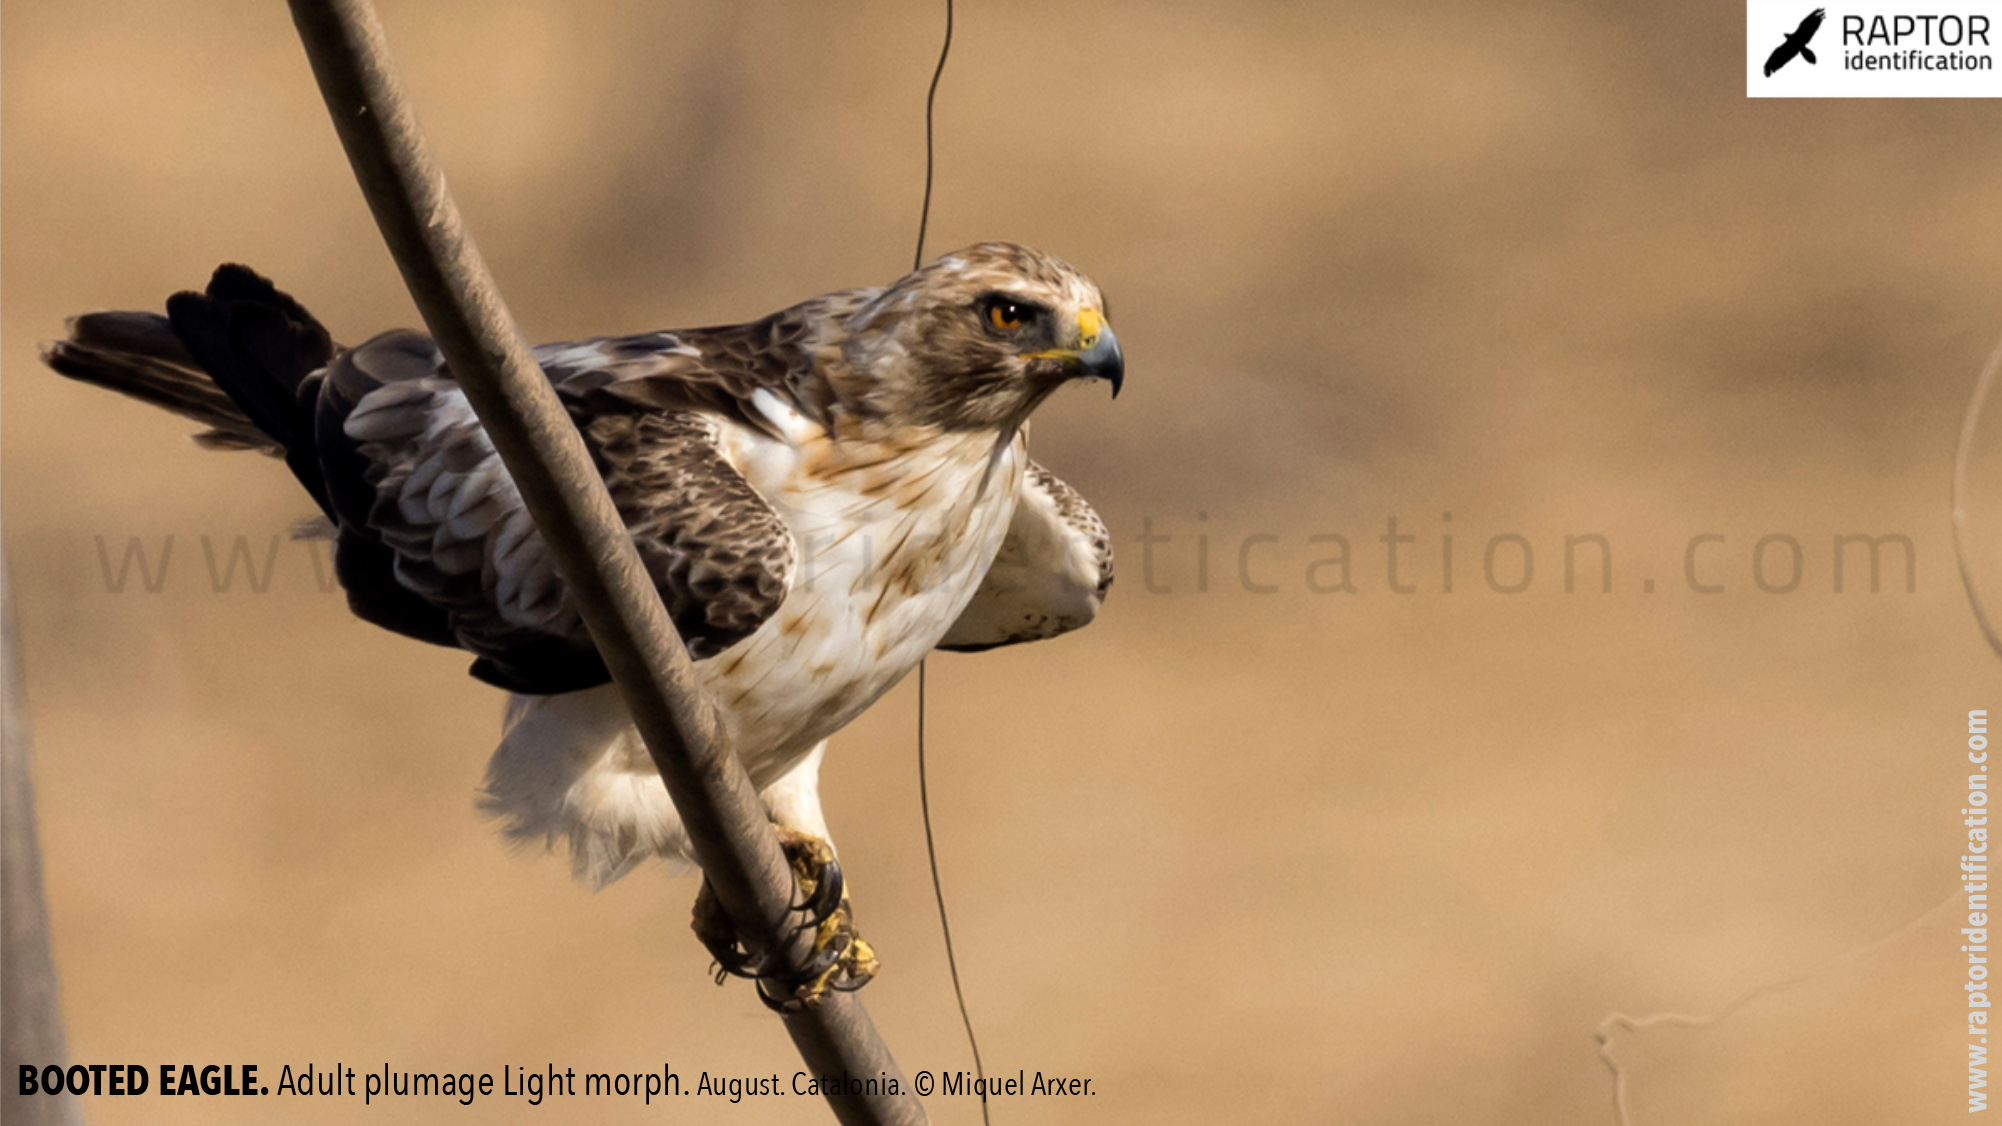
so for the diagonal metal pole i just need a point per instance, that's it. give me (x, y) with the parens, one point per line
(588, 542)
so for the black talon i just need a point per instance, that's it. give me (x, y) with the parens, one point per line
(776, 1004)
(713, 928)
(826, 897)
(735, 963)
(824, 959)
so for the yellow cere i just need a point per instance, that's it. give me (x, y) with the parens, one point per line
(1089, 322)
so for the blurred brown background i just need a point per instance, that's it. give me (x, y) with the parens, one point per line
(1297, 857)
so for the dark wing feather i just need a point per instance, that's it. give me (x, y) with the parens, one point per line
(717, 369)
(434, 541)
(716, 550)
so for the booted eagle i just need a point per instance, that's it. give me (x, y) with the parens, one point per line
(822, 497)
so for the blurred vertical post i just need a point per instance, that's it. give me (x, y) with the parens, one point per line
(1963, 453)
(31, 1020)
(588, 542)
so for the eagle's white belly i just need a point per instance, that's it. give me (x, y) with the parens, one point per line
(893, 539)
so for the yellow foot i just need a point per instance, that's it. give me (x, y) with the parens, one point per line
(841, 960)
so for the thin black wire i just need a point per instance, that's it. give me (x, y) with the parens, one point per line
(938, 892)
(924, 790)
(931, 97)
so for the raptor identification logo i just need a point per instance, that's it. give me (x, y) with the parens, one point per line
(1873, 49)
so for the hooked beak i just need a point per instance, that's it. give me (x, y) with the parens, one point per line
(1098, 356)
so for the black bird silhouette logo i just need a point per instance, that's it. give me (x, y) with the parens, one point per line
(1796, 44)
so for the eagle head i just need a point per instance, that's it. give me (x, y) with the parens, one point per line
(976, 339)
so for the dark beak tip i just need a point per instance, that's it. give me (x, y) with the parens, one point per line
(1107, 361)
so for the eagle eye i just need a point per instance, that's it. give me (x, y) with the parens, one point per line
(1007, 315)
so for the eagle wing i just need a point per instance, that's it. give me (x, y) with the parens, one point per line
(1050, 576)
(434, 541)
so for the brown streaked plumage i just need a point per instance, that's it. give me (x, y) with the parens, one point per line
(822, 496)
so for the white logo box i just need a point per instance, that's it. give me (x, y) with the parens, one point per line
(1907, 49)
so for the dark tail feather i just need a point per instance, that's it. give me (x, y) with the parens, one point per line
(259, 345)
(137, 354)
(235, 358)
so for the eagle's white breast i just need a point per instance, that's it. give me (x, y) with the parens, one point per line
(895, 532)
